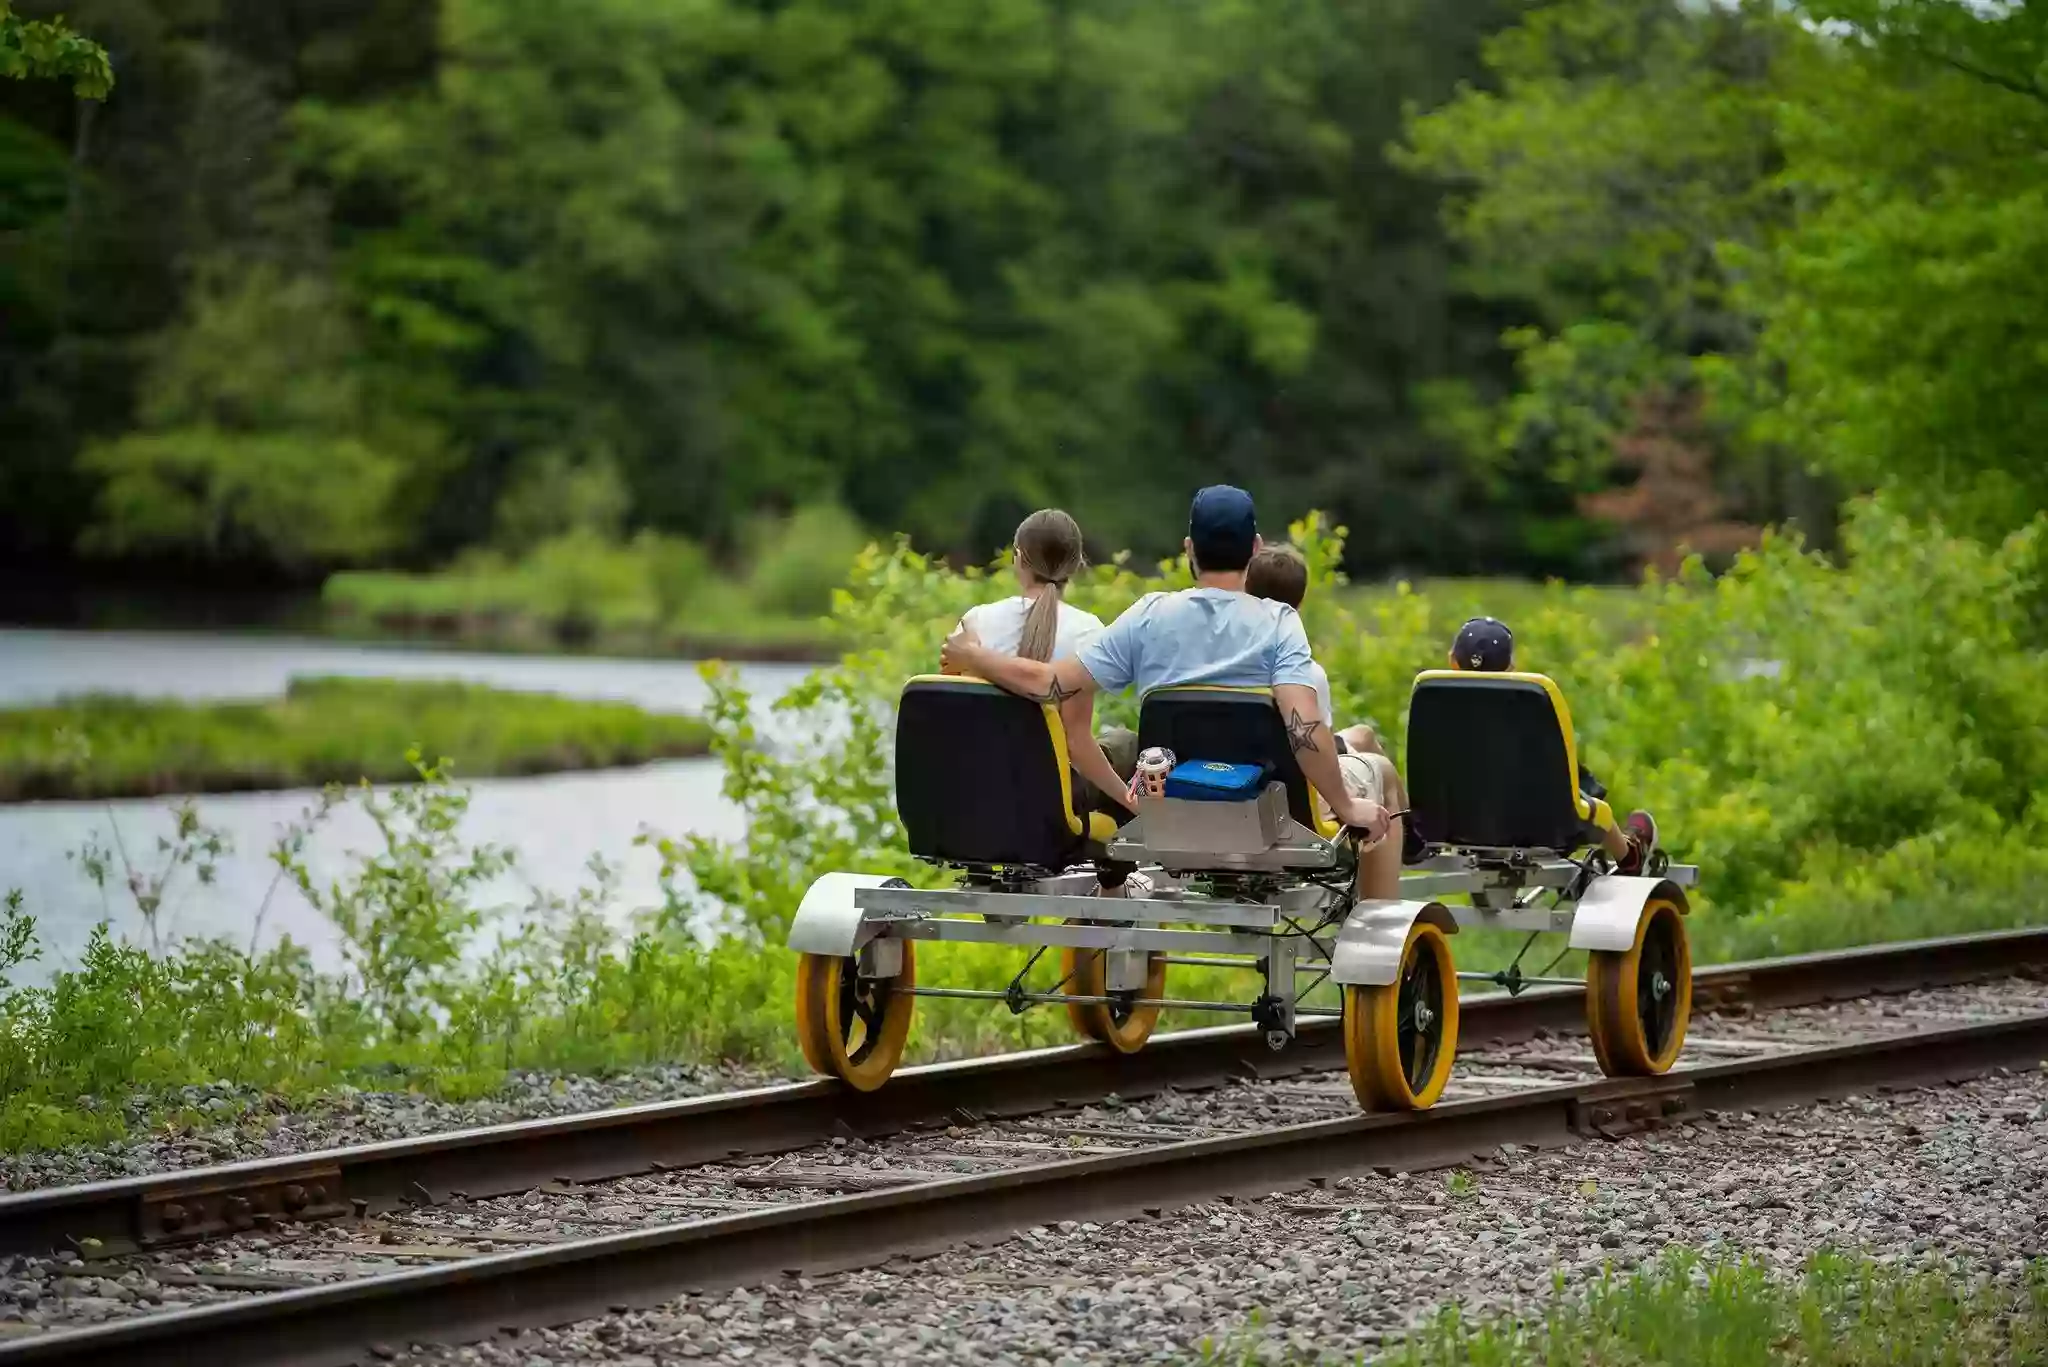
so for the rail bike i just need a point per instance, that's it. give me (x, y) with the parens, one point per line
(1264, 885)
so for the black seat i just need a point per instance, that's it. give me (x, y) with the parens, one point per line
(1234, 726)
(982, 778)
(1493, 764)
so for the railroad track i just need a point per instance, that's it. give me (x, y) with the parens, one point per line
(1218, 1115)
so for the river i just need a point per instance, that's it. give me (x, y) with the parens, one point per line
(553, 824)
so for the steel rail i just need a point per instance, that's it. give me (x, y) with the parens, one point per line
(345, 1322)
(154, 1211)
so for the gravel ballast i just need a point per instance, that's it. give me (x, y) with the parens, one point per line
(257, 1125)
(1959, 1172)
(1334, 1269)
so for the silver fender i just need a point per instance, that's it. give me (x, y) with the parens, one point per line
(827, 921)
(1606, 916)
(1368, 950)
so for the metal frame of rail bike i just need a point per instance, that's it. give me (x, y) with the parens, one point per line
(1243, 886)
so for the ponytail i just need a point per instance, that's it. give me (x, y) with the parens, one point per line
(1042, 623)
(1049, 545)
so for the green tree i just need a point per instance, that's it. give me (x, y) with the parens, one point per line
(938, 264)
(942, 264)
(48, 50)
(113, 214)
(1623, 149)
(257, 439)
(1901, 309)
(1827, 218)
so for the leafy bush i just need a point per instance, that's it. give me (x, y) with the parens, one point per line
(1847, 749)
(797, 562)
(653, 592)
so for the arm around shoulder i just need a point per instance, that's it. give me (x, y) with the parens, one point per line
(1035, 679)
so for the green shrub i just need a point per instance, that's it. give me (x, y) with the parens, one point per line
(581, 582)
(798, 562)
(580, 587)
(1880, 778)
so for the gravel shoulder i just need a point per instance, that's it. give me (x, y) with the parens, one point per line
(1332, 1269)
(255, 1124)
(1960, 1172)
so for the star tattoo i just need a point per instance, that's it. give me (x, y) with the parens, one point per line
(1301, 733)
(1054, 695)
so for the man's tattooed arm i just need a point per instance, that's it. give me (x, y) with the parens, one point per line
(1301, 732)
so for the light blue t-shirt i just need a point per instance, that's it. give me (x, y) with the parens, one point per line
(1200, 636)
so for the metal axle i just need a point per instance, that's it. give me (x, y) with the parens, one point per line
(984, 994)
(1523, 978)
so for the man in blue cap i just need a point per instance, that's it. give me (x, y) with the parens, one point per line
(1213, 633)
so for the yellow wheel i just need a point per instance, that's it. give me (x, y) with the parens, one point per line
(850, 1027)
(1121, 1025)
(1639, 1000)
(1400, 1038)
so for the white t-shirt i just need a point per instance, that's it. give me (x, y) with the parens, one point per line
(1322, 682)
(1001, 626)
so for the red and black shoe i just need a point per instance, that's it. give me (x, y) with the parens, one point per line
(1641, 830)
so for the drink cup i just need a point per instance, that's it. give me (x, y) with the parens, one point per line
(1153, 767)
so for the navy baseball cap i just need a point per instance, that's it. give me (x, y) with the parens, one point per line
(1223, 527)
(1485, 644)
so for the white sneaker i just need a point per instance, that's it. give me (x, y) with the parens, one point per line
(1134, 885)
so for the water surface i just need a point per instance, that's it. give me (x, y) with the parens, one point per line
(553, 824)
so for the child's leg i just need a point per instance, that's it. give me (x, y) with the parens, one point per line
(1374, 776)
(1362, 740)
(1614, 842)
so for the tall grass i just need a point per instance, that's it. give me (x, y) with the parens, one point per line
(323, 730)
(1841, 1311)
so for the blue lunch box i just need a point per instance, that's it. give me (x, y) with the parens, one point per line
(1208, 780)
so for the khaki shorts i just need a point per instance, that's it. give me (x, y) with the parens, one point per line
(1362, 779)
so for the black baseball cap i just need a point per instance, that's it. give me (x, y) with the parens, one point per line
(1485, 644)
(1223, 527)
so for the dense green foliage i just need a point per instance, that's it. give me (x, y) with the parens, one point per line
(1505, 284)
(1769, 236)
(1843, 1310)
(337, 730)
(345, 282)
(1850, 752)
(1882, 780)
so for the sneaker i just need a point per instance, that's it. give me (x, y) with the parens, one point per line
(1134, 885)
(1641, 830)
(1414, 845)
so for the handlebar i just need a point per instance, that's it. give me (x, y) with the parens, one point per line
(1354, 833)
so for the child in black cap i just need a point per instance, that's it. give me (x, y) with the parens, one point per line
(1485, 645)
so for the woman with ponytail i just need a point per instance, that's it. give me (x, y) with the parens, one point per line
(1039, 624)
